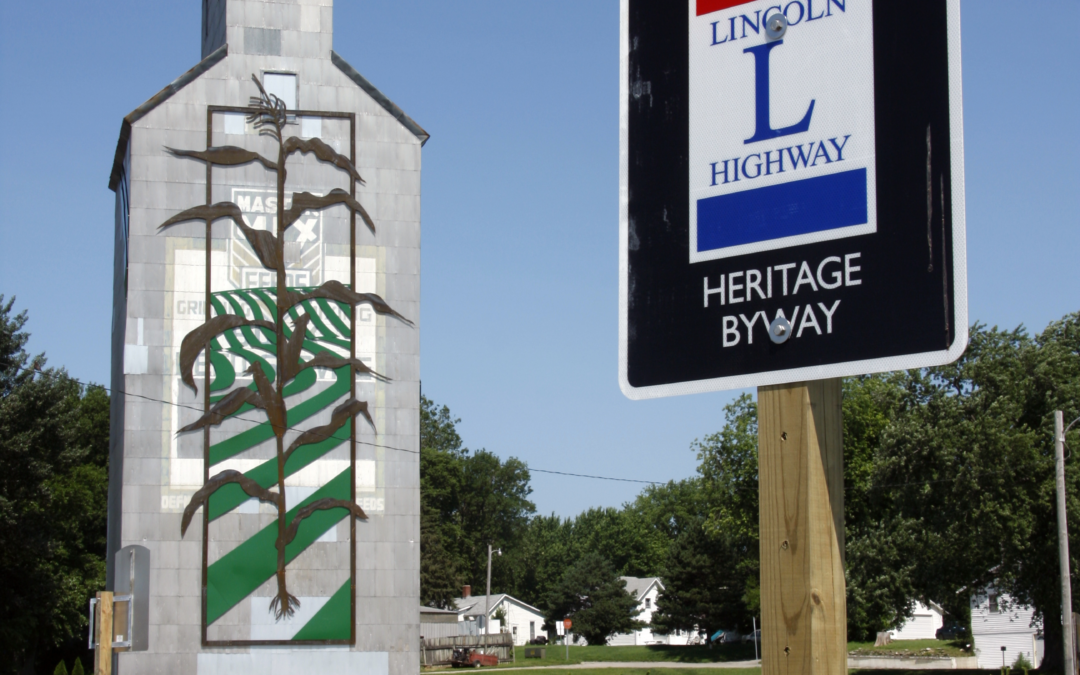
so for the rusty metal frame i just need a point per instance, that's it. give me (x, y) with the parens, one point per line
(210, 110)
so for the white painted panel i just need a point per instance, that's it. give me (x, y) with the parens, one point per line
(282, 85)
(295, 660)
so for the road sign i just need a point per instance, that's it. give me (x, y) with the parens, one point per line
(568, 624)
(792, 191)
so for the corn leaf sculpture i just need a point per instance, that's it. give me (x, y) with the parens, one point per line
(269, 117)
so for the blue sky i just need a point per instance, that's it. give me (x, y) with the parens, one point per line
(520, 201)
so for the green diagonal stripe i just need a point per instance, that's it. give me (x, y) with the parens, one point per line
(332, 622)
(219, 452)
(230, 496)
(238, 573)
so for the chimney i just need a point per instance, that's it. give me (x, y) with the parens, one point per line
(466, 591)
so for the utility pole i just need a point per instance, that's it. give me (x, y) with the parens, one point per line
(487, 598)
(1063, 545)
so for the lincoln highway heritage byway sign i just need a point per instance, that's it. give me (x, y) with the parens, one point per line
(792, 191)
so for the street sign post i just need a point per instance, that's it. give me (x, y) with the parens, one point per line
(792, 195)
(791, 213)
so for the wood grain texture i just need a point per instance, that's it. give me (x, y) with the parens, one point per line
(104, 637)
(801, 483)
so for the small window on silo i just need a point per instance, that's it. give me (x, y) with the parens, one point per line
(282, 85)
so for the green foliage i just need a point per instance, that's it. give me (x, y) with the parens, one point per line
(60, 669)
(467, 501)
(1021, 663)
(705, 584)
(77, 669)
(500, 615)
(949, 484)
(53, 494)
(969, 461)
(592, 594)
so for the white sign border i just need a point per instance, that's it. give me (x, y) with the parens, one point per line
(848, 368)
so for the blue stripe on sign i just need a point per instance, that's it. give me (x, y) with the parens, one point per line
(784, 210)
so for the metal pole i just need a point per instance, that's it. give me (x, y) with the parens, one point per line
(1063, 545)
(487, 598)
(754, 636)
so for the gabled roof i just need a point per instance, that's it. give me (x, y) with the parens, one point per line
(424, 609)
(153, 102)
(474, 604)
(639, 586)
(380, 98)
(211, 60)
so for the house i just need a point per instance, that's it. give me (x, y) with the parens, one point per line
(1001, 628)
(923, 625)
(645, 590)
(522, 619)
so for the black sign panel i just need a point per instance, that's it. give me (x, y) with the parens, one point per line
(792, 198)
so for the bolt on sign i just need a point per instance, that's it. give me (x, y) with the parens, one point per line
(792, 191)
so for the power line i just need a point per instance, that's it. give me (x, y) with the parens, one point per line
(527, 466)
(327, 436)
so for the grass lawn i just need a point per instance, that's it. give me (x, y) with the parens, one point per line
(713, 671)
(653, 671)
(911, 648)
(556, 654)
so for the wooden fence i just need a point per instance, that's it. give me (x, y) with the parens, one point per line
(438, 651)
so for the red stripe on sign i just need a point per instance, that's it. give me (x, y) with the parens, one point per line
(708, 6)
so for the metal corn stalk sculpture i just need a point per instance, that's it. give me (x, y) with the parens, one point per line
(269, 117)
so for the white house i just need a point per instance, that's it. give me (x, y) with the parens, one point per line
(522, 619)
(923, 625)
(997, 621)
(645, 590)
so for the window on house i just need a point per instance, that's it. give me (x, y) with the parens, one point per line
(532, 630)
(515, 632)
(282, 85)
(994, 606)
(648, 603)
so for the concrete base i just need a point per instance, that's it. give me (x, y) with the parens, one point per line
(914, 663)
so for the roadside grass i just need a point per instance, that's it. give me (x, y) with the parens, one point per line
(911, 648)
(733, 671)
(653, 671)
(556, 654)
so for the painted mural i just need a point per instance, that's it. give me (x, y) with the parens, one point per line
(275, 324)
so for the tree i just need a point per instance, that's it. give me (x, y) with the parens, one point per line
(704, 587)
(879, 558)
(53, 492)
(592, 594)
(468, 499)
(969, 460)
(728, 467)
(493, 508)
(441, 456)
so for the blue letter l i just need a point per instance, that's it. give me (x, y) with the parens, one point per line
(764, 130)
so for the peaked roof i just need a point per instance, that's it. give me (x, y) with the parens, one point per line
(211, 60)
(639, 586)
(474, 604)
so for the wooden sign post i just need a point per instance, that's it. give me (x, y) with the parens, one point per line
(801, 483)
(104, 638)
(738, 268)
